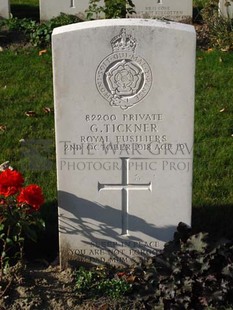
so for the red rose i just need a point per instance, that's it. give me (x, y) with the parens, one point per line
(11, 182)
(31, 195)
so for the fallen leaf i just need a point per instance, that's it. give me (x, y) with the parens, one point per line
(121, 274)
(5, 165)
(210, 50)
(48, 110)
(30, 113)
(222, 110)
(2, 127)
(42, 52)
(131, 279)
(103, 307)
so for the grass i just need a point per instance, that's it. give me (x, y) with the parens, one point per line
(25, 2)
(213, 126)
(213, 156)
(26, 85)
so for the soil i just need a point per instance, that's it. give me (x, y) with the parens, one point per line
(13, 40)
(41, 288)
(37, 287)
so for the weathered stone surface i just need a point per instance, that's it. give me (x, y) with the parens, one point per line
(226, 8)
(124, 111)
(53, 8)
(4, 8)
(176, 10)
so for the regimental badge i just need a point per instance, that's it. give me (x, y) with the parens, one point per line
(123, 78)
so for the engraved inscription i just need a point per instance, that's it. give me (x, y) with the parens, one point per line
(159, 9)
(125, 135)
(123, 78)
(125, 187)
(116, 251)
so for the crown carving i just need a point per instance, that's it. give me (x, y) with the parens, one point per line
(123, 42)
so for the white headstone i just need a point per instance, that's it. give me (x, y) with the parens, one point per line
(53, 8)
(226, 8)
(4, 8)
(124, 105)
(176, 10)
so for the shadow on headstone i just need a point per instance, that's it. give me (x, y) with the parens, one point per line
(84, 223)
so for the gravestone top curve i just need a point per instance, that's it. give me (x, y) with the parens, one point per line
(124, 22)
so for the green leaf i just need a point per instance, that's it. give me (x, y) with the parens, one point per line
(9, 241)
(3, 254)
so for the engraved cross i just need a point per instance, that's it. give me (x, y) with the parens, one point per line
(125, 187)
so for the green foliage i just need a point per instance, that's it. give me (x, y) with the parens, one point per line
(200, 3)
(94, 10)
(113, 288)
(17, 222)
(100, 282)
(16, 24)
(111, 9)
(16, 225)
(84, 279)
(220, 29)
(39, 34)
